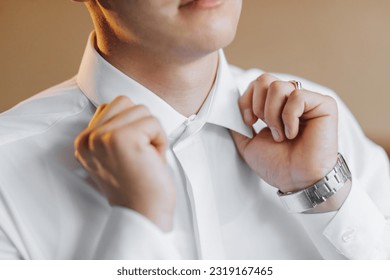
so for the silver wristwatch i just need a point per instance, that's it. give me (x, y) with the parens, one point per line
(309, 198)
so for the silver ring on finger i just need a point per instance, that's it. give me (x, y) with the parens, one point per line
(297, 84)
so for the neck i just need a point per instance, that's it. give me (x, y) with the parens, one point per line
(183, 83)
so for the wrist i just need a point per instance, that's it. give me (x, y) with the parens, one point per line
(321, 192)
(310, 176)
(334, 203)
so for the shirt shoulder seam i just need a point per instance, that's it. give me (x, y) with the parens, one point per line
(38, 132)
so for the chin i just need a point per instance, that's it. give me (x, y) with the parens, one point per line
(212, 36)
(216, 44)
(218, 39)
(209, 31)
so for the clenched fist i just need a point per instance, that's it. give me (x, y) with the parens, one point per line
(300, 144)
(123, 149)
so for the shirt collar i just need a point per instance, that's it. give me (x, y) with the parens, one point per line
(224, 109)
(101, 83)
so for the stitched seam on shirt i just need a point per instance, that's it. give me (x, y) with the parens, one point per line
(50, 126)
(35, 134)
(53, 90)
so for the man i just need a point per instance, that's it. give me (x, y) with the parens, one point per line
(168, 165)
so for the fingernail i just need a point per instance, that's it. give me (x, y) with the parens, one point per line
(275, 133)
(287, 132)
(247, 115)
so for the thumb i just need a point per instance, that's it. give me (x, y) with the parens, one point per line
(262, 143)
(241, 141)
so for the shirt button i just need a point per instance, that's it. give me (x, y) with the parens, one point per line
(348, 235)
(189, 119)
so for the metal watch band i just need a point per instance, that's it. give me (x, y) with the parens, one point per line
(318, 193)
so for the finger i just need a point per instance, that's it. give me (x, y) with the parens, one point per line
(100, 109)
(305, 105)
(147, 131)
(153, 131)
(253, 100)
(119, 104)
(292, 111)
(245, 104)
(82, 152)
(80, 143)
(260, 93)
(97, 135)
(277, 95)
(83, 155)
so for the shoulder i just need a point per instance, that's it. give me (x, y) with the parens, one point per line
(41, 112)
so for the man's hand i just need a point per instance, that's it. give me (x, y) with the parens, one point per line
(123, 149)
(300, 144)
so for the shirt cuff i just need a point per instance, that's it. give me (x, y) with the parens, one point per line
(356, 231)
(359, 230)
(129, 235)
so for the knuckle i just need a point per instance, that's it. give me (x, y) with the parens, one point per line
(295, 93)
(124, 99)
(296, 97)
(331, 100)
(153, 121)
(265, 78)
(143, 109)
(101, 107)
(277, 86)
(258, 81)
(250, 86)
(151, 118)
(332, 103)
(121, 98)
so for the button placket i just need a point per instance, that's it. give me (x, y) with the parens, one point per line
(202, 198)
(190, 119)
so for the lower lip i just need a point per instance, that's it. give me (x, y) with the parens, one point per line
(204, 4)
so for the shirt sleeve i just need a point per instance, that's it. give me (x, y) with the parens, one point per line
(7, 249)
(360, 229)
(129, 235)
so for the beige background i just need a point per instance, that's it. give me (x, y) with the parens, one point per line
(343, 44)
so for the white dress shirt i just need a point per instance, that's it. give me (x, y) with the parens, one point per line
(49, 208)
